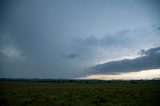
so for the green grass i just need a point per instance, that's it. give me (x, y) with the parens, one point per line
(16, 93)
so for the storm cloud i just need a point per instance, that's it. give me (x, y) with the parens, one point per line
(61, 39)
(151, 60)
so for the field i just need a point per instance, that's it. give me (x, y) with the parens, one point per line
(19, 93)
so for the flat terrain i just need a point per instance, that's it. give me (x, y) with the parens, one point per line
(19, 93)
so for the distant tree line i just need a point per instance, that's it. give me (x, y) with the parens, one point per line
(77, 81)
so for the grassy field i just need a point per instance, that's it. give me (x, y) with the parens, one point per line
(17, 93)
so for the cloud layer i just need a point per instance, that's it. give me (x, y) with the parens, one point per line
(128, 41)
(61, 39)
(151, 60)
(145, 74)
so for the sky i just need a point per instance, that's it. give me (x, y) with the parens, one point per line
(80, 39)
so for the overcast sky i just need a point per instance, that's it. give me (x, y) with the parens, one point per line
(79, 38)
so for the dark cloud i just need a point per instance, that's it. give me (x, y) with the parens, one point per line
(149, 52)
(35, 34)
(71, 56)
(152, 51)
(151, 60)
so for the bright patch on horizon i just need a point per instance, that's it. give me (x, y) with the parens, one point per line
(145, 74)
(133, 56)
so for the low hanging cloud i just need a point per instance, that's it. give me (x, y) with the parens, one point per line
(145, 74)
(151, 60)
